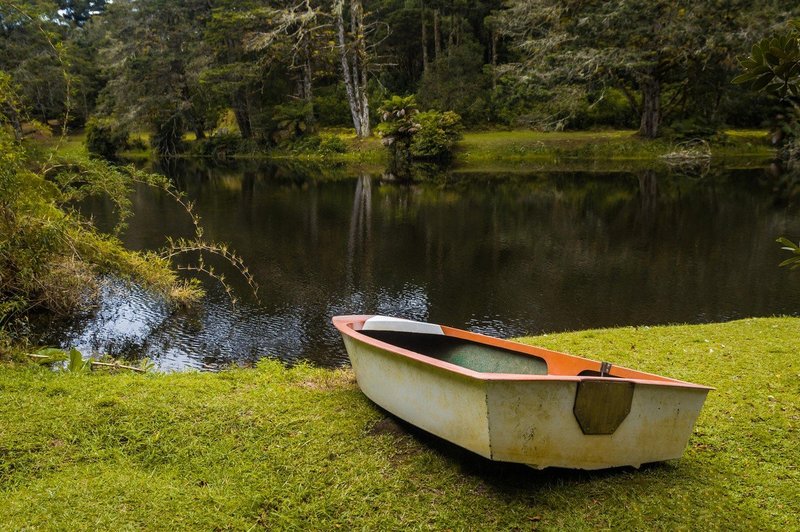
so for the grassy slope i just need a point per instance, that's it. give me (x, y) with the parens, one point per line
(299, 448)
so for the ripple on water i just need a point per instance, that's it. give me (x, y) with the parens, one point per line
(132, 323)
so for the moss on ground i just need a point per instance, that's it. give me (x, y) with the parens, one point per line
(303, 448)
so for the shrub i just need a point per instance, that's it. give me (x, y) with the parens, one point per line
(302, 144)
(693, 128)
(218, 146)
(437, 135)
(105, 137)
(409, 134)
(397, 129)
(331, 145)
(293, 120)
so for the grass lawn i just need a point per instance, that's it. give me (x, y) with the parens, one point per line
(615, 145)
(303, 448)
(498, 150)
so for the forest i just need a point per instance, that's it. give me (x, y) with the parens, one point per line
(254, 74)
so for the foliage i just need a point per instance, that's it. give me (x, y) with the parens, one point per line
(398, 119)
(73, 361)
(172, 67)
(397, 130)
(330, 106)
(437, 135)
(457, 82)
(292, 120)
(106, 137)
(219, 146)
(410, 134)
(793, 262)
(155, 59)
(643, 48)
(693, 128)
(773, 64)
(51, 257)
(533, 106)
(304, 448)
(331, 145)
(773, 67)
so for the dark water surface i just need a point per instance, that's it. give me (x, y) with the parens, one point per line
(504, 253)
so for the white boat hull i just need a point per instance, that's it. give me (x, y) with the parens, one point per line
(524, 421)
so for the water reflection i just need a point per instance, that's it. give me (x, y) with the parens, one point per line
(505, 254)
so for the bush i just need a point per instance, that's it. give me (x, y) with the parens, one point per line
(330, 106)
(437, 135)
(293, 120)
(105, 137)
(331, 145)
(218, 146)
(692, 128)
(302, 144)
(409, 134)
(51, 257)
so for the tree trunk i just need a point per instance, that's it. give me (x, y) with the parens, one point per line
(308, 94)
(354, 70)
(346, 74)
(437, 36)
(651, 108)
(451, 36)
(242, 115)
(495, 38)
(424, 41)
(363, 60)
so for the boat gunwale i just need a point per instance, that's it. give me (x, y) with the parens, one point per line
(345, 326)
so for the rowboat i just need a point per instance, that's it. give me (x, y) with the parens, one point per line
(513, 402)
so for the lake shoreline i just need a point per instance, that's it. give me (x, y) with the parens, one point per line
(548, 149)
(281, 447)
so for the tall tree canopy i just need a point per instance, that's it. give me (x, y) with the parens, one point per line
(646, 48)
(272, 70)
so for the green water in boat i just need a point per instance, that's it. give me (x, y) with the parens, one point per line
(471, 355)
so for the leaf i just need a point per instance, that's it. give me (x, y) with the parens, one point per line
(771, 58)
(76, 362)
(762, 81)
(757, 53)
(793, 263)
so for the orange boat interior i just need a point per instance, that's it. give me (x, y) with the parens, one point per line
(485, 354)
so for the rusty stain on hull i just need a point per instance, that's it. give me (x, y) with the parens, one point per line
(518, 417)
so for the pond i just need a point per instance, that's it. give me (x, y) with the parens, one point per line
(506, 253)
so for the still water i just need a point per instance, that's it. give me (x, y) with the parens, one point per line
(503, 253)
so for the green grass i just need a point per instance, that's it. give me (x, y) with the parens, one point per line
(618, 146)
(501, 149)
(303, 448)
(489, 150)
